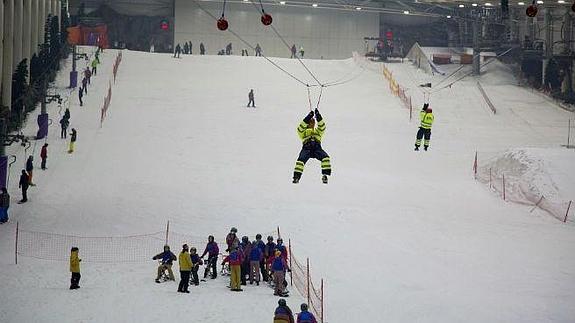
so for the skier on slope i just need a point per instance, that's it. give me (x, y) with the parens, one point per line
(426, 117)
(212, 250)
(24, 184)
(167, 259)
(305, 316)
(30, 169)
(279, 268)
(73, 137)
(283, 313)
(44, 155)
(311, 138)
(177, 51)
(251, 99)
(196, 262)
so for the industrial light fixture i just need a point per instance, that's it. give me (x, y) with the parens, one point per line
(448, 17)
(246, 0)
(488, 4)
(539, 1)
(561, 1)
(461, 6)
(357, 8)
(474, 4)
(405, 12)
(282, 2)
(314, 5)
(521, 3)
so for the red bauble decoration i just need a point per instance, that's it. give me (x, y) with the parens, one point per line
(531, 11)
(222, 24)
(267, 19)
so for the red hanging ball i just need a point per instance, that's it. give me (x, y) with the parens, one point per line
(222, 24)
(267, 19)
(531, 11)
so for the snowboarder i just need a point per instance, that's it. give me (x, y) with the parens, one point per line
(251, 99)
(258, 50)
(24, 184)
(167, 259)
(232, 240)
(64, 123)
(4, 205)
(301, 51)
(279, 268)
(293, 51)
(283, 313)
(256, 256)
(212, 250)
(305, 316)
(426, 117)
(44, 156)
(202, 49)
(185, 269)
(196, 263)
(235, 260)
(94, 64)
(80, 95)
(30, 169)
(178, 51)
(72, 141)
(75, 268)
(311, 138)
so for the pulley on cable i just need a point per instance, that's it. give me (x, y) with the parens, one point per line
(531, 11)
(223, 22)
(266, 17)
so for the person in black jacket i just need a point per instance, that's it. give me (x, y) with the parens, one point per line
(4, 205)
(202, 49)
(30, 169)
(80, 95)
(64, 123)
(23, 184)
(167, 258)
(251, 99)
(72, 141)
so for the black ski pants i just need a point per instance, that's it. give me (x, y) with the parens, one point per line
(252, 102)
(184, 281)
(75, 280)
(213, 263)
(423, 133)
(312, 149)
(195, 278)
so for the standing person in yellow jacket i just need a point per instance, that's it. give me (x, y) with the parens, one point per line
(426, 117)
(75, 268)
(185, 269)
(311, 138)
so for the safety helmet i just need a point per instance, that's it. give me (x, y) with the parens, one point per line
(303, 307)
(282, 302)
(185, 247)
(258, 236)
(245, 239)
(166, 247)
(210, 238)
(193, 249)
(270, 238)
(234, 230)
(428, 110)
(280, 240)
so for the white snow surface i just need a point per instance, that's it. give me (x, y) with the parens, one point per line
(398, 236)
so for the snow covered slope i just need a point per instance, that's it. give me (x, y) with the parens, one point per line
(398, 236)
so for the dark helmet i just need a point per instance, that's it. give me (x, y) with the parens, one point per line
(210, 238)
(193, 250)
(282, 302)
(280, 240)
(185, 247)
(166, 247)
(245, 239)
(428, 110)
(258, 236)
(234, 230)
(270, 238)
(303, 307)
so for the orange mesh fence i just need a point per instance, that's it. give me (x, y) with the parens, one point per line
(302, 280)
(398, 90)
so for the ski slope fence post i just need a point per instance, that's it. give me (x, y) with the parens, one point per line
(567, 213)
(279, 234)
(167, 231)
(475, 166)
(290, 262)
(568, 132)
(504, 187)
(490, 178)
(322, 317)
(410, 109)
(16, 244)
(307, 278)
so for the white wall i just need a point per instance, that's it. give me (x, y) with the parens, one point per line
(322, 32)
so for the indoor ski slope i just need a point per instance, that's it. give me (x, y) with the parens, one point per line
(398, 235)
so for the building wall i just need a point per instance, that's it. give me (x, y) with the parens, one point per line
(324, 33)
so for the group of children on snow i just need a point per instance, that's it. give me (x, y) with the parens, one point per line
(187, 49)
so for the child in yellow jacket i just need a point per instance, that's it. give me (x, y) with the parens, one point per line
(75, 268)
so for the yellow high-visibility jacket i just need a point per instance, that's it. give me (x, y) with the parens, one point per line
(306, 134)
(426, 119)
(185, 261)
(74, 262)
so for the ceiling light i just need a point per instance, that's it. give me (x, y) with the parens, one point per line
(560, 1)
(488, 4)
(357, 8)
(314, 5)
(461, 6)
(539, 1)
(521, 3)
(282, 2)
(246, 0)
(405, 12)
(448, 17)
(474, 4)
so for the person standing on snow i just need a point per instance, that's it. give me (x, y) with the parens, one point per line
(269, 255)
(311, 138)
(30, 169)
(235, 259)
(258, 50)
(4, 205)
(293, 51)
(246, 248)
(262, 247)
(202, 49)
(75, 268)
(283, 313)
(279, 268)
(44, 155)
(251, 99)
(64, 123)
(305, 316)
(84, 87)
(301, 52)
(80, 95)
(167, 259)
(212, 250)
(185, 268)
(24, 184)
(256, 256)
(94, 65)
(67, 114)
(178, 51)
(196, 262)
(232, 240)
(426, 117)
(73, 137)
